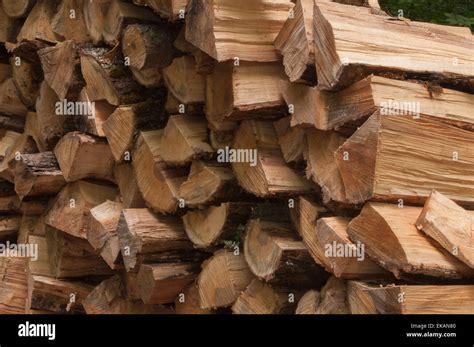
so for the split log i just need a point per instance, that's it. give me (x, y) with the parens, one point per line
(127, 182)
(84, 156)
(69, 211)
(346, 48)
(62, 69)
(309, 302)
(8, 139)
(102, 222)
(248, 90)
(108, 78)
(291, 140)
(158, 183)
(276, 255)
(122, 126)
(58, 296)
(332, 110)
(406, 251)
(184, 139)
(109, 297)
(8, 27)
(222, 279)
(450, 225)
(10, 102)
(111, 253)
(119, 15)
(14, 285)
(409, 299)
(208, 24)
(143, 234)
(330, 246)
(443, 151)
(188, 302)
(5, 71)
(47, 125)
(9, 226)
(266, 174)
(37, 175)
(169, 9)
(22, 144)
(72, 257)
(295, 42)
(38, 23)
(208, 183)
(94, 18)
(149, 46)
(149, 78)
(93, 122)
(183, 81)
(211, 226)
(333, 297)
(17, 8)
(68, 22)
(161, 283)
(26, 77)
(261, 298)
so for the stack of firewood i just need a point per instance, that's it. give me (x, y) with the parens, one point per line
(219, 156)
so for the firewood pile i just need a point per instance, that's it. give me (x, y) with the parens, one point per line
(246, 157)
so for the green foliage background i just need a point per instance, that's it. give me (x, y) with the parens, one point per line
(449, 12)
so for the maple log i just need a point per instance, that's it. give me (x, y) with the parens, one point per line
(185, 139)
(109, 297)
(71, 206)
(450, 225)
(245, 91)
(108, 78)
(122, 126)
(147, 237)
(183, 81)
(26, 77)
(94, 18)
(346, 48)
(58, 296)
(211, 226)
(148, 46)
(208, 182)
(37, 175)
(442, 154)
(261, 298)
(225, 30)
(157, 182)
(72, 257)
(188, 301)
(354, 104)
(14, 285)
(366, 298)
(268, 174)
(68, 22)
(161, 283)
(17, 8)
(222, 279)
(169, 9)
(406, 251)
(119, 15)
(84, 156)
(62, 69)
(38, 23)
(128, 187)
(296, 44)
(276, 255)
